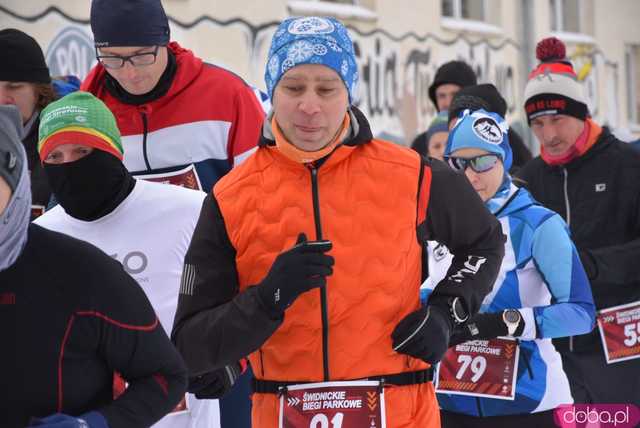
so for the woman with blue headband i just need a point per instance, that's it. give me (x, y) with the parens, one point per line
(542, 291)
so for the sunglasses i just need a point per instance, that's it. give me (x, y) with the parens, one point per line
(482, 163)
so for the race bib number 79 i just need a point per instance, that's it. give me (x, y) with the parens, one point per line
(352, 404)
(480, 368)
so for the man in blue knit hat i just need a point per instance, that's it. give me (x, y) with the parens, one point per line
(344, 305)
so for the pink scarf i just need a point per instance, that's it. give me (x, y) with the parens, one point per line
(585, 141)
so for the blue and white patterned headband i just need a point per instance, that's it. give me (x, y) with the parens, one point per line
(312, 40)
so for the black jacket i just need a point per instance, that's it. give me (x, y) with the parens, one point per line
(215, 324)
(69, 317)
(598, 195)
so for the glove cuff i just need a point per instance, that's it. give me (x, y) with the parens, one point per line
(233, 372)
(264, 298)
(441, 308)
(442, 311)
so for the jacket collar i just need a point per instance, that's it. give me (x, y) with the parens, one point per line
(359, 122)
(159, 91)
(514, 200)
(605, 139)
(362, 136)
(188, 68)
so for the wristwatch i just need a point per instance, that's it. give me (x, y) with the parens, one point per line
(458, 312)
(511, 318)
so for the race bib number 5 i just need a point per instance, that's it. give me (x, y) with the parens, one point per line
(620, 332)
(480, 368)
(353, 404)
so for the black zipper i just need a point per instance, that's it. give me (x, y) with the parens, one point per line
(506, 204)
(565, 188)
(261, 363)
(567, 207)
(145, 130)
(323, 290)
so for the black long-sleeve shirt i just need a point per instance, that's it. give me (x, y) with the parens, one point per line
(69, 318)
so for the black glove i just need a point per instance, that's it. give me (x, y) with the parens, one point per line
(481, 327)
(299, 269)
(425, 333)
(215, 384)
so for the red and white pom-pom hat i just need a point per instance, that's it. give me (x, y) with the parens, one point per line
(553, 86)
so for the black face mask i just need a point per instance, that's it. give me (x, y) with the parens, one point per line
(91, 187)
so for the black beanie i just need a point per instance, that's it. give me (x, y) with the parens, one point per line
(484, 96)
(129, 23)
(21, 58)
(454, 72)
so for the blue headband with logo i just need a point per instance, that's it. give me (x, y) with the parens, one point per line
(312, 40)
(481, 130)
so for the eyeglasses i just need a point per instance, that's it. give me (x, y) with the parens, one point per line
(482, 163)
(114, 62)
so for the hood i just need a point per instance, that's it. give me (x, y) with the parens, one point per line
(14, 220)
(64, 85)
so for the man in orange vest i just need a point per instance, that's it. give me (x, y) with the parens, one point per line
(333, 327)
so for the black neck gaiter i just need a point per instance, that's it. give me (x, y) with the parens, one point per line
(91, 187)
(161, 88)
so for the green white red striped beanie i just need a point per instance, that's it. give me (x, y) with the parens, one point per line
(79, 118)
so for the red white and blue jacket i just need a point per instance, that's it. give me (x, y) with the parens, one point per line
(207, 122)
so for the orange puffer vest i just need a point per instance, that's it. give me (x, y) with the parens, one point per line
(368, 207)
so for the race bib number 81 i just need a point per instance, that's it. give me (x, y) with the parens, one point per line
(352, 404)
